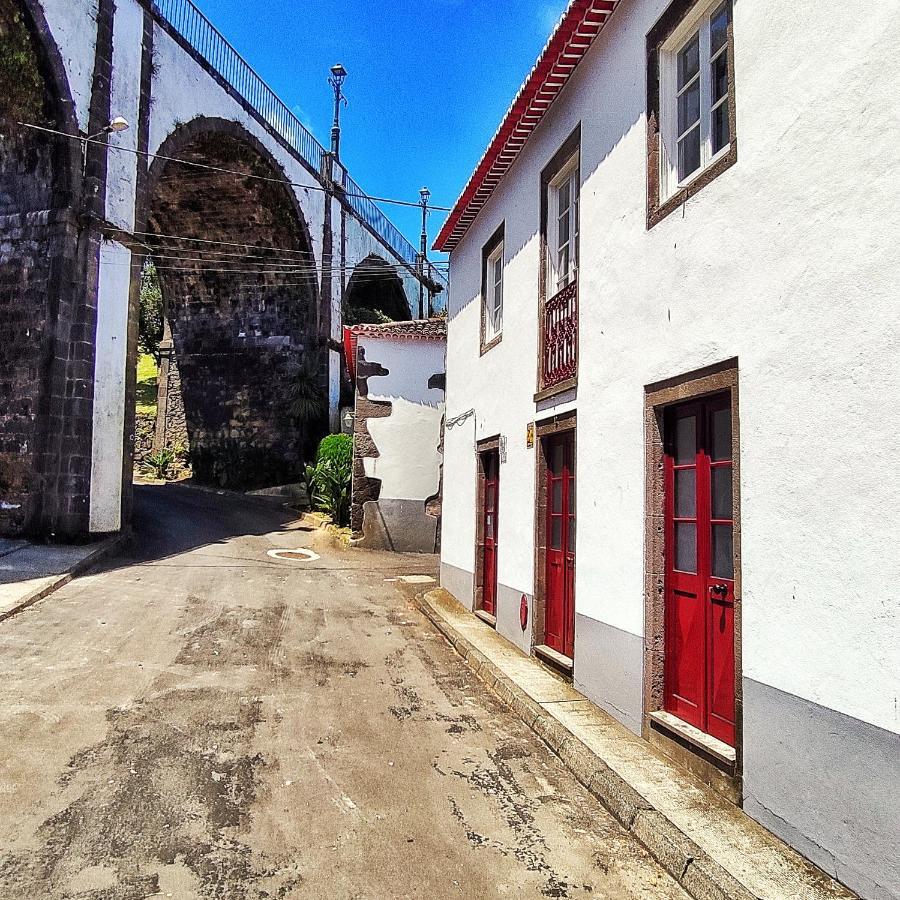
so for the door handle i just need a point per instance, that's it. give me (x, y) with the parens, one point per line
(720, 589)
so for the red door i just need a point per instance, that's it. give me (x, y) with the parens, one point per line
(559, 614)
(490, 462)
(699, 536)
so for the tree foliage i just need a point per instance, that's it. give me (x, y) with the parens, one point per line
(21, 83)
(151, 312)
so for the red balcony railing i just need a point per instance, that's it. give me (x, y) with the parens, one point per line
(559, 354)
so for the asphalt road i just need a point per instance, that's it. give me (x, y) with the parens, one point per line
(198, 719)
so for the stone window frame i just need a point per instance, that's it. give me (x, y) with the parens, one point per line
(497, 239)
(562, 422)
(719, 378)
(659, 207)
(484, 446)
(558, 162)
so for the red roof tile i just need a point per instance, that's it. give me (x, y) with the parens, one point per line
(582, 21)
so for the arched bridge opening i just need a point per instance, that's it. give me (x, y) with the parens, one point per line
(375, 294)
(238, 279)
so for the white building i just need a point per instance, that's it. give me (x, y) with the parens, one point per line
(674, 281)
(398, 370)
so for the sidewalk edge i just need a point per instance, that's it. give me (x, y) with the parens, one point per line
(691, 866)
(104, 548)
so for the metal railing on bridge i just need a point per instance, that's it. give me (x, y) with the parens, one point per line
(206, 40)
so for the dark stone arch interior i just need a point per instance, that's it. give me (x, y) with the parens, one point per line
(241, 308)
(37, 240)
(375, 293)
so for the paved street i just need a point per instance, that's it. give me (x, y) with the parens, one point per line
(202, 720)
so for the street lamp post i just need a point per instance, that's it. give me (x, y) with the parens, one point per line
(425, 195)
(338, 74)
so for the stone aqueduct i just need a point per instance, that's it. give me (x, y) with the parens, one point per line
(257, 245)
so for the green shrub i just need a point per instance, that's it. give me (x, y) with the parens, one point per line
(159, 464)
(329, 480)
(336, 447)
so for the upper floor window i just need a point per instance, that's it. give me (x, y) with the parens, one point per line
(492, 264)
(691, 101)
(493, 299)
(562, 226)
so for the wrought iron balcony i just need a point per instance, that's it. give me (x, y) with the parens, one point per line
(559, 337)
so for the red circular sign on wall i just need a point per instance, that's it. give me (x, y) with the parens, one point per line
(523, 612)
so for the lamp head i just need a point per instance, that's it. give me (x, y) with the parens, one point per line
(117, 124)
(425, 194)
(338, 74)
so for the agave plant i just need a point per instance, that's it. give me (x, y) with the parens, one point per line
(306, 399)
(159, 464)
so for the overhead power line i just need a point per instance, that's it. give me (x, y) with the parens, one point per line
(224, 171)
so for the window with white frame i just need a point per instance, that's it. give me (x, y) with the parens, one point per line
(562, 227)
(695, 97)
(493, 295)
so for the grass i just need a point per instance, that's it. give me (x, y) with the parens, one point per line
(147, 375)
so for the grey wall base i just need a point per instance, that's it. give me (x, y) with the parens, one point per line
(402, 526)
(609, 669)
(459, 583)
(826, 783)
(509, 623)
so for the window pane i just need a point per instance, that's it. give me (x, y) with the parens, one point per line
(721, 435)
(557, 457)
(489, 526)
(563, 198)
(556, 497)
(689, 107)
(721, 493)
(689, 61)
(571, 534)
(723, 552)
(721, 128)
(563, 230)
(718, 29)
(719, 78)
(686, 493)
(556, 533)
(562, 267)
(685, 440)
(685, 546)
(689, 154)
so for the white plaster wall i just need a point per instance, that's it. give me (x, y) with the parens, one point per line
(109, 388)
(787, 261)
(73, 26)
(121, 178)
(409, 462)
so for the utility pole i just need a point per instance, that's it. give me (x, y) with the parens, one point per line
(338, 74)
(425, 194)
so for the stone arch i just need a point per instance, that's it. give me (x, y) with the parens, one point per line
(238, 277)
(375, 287)
(40, 175)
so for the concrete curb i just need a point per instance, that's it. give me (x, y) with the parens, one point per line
(700, 875)
(104, 548)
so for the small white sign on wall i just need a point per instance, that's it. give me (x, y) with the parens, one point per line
(502, 448)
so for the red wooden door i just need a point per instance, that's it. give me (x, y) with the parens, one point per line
(491, 468)
(699, 535)
(559, 606)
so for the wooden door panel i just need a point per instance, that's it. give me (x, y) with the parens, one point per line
(490, 462)
(699, 614)
(559, 589)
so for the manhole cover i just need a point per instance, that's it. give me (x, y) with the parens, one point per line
(294, 555)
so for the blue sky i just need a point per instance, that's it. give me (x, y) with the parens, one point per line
(428, 83)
